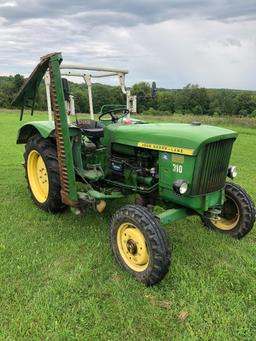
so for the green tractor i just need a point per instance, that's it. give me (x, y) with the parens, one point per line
(179, 167)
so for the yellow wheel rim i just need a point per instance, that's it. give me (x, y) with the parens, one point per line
(132, 247)
(229, 216)
(37, 176)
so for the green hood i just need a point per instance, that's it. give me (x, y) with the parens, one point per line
(187, 136)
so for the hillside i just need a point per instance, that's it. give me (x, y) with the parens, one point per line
(190, 99)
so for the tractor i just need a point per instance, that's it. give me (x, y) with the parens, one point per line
(180, 168)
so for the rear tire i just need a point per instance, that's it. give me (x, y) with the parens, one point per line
(140, 244)
(238, 213)
(42, 174)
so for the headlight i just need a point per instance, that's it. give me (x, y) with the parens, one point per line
(180, 187)
(232, 172)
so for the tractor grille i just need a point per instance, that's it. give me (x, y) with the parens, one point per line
(211, 167)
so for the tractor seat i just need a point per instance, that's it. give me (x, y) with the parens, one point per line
(91, 128)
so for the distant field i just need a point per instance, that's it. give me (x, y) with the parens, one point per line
(59, 279)
(217, 120)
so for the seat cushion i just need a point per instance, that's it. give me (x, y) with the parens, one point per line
(92, 132)
(91, 128)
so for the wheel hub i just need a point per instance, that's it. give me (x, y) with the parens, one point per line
(132, 247)
(38, 176)
(230, 215)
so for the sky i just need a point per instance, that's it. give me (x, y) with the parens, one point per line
(173, 42)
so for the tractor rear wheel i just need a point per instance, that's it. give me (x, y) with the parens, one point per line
(42, 174)
(140, 244)
(238, 213)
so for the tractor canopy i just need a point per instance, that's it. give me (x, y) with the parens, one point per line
(169, 137)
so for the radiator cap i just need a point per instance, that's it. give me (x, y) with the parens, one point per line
(195, 123)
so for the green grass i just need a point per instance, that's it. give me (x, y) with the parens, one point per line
(59, 279)
(213, 120)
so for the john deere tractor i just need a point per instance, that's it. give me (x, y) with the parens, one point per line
(181, 168)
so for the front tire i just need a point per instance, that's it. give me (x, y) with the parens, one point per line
(238, 213)
(42, 174)
(140, 244)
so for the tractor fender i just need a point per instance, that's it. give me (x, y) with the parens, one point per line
(44, 128)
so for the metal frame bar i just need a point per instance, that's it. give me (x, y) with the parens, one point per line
(47, 82)
(87, 77)
(73, 74)
(91, 68)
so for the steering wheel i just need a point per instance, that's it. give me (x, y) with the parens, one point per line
(114, 118)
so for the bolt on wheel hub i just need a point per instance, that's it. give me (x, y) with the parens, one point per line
(132, 247)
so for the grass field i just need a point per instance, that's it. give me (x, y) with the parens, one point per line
(59, 279)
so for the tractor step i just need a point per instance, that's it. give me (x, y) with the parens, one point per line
(92, 194)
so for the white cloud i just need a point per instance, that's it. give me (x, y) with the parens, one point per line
(177, 52)
(171, 51)
(8, 4)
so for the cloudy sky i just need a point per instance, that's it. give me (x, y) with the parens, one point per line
(174, 42)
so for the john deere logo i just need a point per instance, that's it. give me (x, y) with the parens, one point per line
(169, 149)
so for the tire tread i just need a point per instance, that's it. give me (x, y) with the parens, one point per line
(247, 218)
(47, 149)
(160, 262)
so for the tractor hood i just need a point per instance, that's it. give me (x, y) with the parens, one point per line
(170, 137)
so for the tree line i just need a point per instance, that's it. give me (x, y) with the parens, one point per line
(191, 99)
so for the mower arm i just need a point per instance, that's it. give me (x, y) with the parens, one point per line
(44, 128)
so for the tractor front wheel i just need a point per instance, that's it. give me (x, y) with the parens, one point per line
(42, 174)
(237, 215)
(140, 244)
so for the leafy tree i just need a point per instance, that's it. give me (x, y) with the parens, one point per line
(191, 99)
(244, 104)
(18, 81)
(195, 99)
(143, 92)
(166, 101)
(227, 103)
